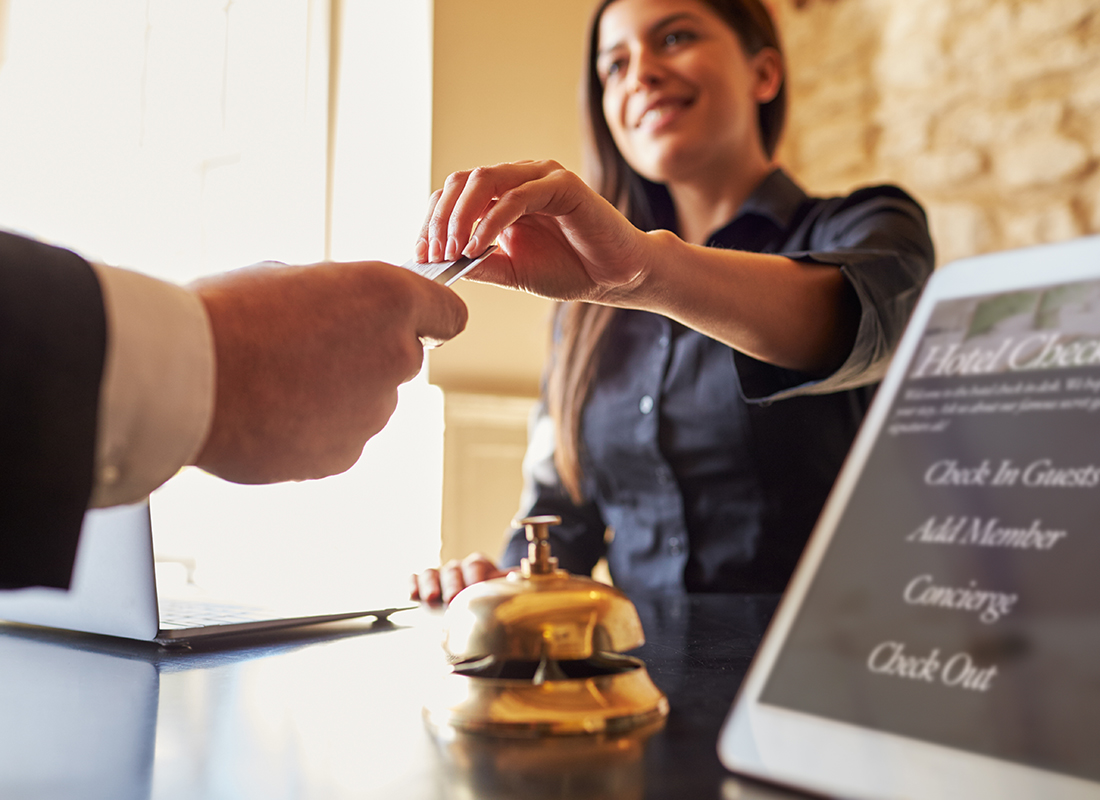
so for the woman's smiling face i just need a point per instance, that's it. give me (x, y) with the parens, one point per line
(680, 95)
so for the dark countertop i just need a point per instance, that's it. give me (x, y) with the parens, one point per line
(335, 712)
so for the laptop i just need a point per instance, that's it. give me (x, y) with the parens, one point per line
(114, 591)
(941, 635)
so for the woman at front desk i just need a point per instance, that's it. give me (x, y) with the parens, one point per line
(721, 332)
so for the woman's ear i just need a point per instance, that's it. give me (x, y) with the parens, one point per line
(767, 66)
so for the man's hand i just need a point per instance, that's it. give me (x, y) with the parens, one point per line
(309, 360)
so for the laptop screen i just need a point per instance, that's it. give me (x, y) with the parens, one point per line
(113, 587)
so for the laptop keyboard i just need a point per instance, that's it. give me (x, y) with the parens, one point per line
(178, 614)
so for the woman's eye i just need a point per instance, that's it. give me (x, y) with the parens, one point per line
(677, 37)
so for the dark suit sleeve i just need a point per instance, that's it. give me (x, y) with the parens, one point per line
(53, 337)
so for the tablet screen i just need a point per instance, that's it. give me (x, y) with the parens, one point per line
(959, 599)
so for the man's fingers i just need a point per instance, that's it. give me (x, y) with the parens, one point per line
(442, 317)
(370, 424)
(309, 360)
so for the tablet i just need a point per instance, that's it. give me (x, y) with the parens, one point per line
(941, 635)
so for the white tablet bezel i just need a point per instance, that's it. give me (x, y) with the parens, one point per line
(825, 756)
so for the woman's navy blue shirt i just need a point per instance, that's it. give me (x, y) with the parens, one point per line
(704, 468)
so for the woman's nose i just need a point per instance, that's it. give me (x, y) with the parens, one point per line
(646, 69)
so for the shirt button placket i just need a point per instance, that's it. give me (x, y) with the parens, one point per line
(664, 475)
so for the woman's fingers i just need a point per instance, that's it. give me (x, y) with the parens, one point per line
(477, 568)
(466, 197)
(451, 580)
(426, 587)
(554, 195)
(441, 585)
(516, 190)
(422, 247)
(558, 238)
(433, 243)
(442, 244)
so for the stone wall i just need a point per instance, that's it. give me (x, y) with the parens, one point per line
(987, 110)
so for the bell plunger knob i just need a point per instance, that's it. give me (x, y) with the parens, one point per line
(539, 561)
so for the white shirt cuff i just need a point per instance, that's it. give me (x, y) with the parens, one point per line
(157, 396)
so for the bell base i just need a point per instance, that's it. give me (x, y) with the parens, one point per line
(516, 708)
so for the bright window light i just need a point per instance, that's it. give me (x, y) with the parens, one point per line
(183, 138)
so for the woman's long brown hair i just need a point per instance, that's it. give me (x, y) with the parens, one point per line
(582, 327)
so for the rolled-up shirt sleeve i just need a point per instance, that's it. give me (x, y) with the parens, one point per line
(157, 393)
(879, 240)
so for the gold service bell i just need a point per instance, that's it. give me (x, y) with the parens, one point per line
(539, 653)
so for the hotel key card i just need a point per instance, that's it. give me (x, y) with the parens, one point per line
(447, 272)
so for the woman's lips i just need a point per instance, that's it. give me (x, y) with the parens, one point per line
(658, 113)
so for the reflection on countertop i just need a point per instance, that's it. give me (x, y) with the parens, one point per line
(335, 712)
